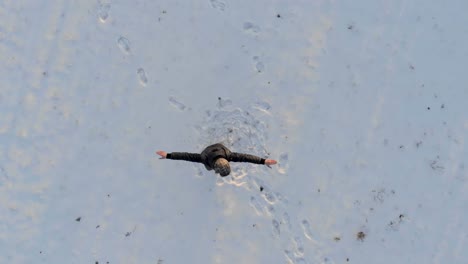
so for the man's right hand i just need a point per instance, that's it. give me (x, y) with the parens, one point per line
(270, 162)
(161, 153)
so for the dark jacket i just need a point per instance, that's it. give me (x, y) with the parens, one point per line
(211, 153)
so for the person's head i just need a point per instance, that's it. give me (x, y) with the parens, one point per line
(222, 167)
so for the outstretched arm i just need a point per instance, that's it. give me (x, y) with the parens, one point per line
(194, 157)
(240, 157)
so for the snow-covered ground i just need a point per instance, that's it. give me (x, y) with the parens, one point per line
(363, 103)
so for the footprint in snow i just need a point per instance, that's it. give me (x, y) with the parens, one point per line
(142, 76)
(287, 220)
(289, 256)
(177, 104)
(259, 66)
(276, 227)
(269, 197)
(299, 246)
(307, 230)
(124, 45)
(103, 12)
(270, 210)
(249, 27)
(217, 4)
(262, 106)
(293, 259)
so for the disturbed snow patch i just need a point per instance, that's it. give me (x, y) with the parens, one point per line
(245, 129)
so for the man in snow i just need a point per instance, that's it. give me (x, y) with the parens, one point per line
(216, 157)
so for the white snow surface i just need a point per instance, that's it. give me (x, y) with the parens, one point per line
(363, 104)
